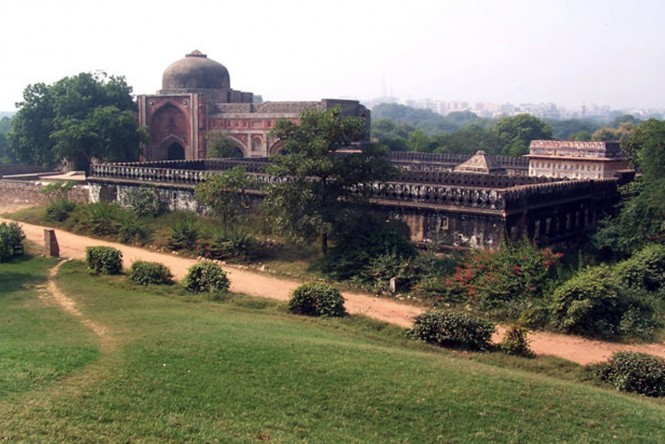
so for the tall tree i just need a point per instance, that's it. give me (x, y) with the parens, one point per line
(515, 133)
(316, 188)
(640, 220)
(77, 118)
(225, 194)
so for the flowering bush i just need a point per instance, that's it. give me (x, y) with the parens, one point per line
(490, 279)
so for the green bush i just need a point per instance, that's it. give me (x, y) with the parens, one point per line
(317, 299)
(515, 342)
(184, 234)
(644, 270)
(145, 201)
(221, 247)
(99, 219)
(377, 274)
(356, 253)
(59, 210)
(593, 303)
(103, 260)
(206, 277)
(633, 372)
(5, 251)
(11, 234)
(451, 329)
(146, 273)
(131, 229)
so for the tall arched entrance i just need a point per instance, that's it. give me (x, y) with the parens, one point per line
(175, 151)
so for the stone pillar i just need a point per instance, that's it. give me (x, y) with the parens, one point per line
(51, 247)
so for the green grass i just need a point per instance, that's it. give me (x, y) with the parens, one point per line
(39, 344)
(185, 369)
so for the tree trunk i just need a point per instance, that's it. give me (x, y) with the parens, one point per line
(324, 243)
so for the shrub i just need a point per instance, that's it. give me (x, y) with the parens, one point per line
(365, 241)
(100, 218)
(104, 260)
(59, 210)
(206, 277)
(10, 234)
(317, 299)
(145, 273)
(221, 247)
(494, 279)
(57, 191)
(632, 372)
(145, 201)
(377, 274)
(451, 329)
(131, 229)
(644, 270)
(183, 234)
(593, 303)
(515, 342)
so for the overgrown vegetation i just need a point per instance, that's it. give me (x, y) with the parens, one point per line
(145, 201)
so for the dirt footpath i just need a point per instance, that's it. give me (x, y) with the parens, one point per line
(580, 350)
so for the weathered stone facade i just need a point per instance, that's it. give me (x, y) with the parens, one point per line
(467, 209)
(29, 192)
(196, 99)
(575, 160)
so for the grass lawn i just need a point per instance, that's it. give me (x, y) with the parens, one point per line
(185, 369)
(39, 345)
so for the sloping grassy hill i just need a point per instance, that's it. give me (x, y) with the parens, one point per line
(184, 369)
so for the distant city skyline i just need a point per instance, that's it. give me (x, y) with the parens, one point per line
(542, 110)
(605, 52)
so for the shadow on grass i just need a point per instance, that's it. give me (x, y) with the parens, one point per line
(14, 277)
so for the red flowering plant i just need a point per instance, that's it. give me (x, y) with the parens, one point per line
(517, 271)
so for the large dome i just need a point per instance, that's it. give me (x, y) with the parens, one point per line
(196, 71)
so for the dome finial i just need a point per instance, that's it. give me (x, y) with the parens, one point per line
(196, 53)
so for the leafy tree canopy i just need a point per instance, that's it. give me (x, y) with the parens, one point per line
(220, 145)
(77, 118)
(225, 194)
(317, 189)
(515, 133)
(641, 217)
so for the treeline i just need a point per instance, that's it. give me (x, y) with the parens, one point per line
(402, 128)
(6, 155)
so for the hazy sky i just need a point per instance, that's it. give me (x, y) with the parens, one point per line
(570, 52)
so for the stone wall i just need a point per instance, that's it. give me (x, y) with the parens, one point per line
(19, 192)
(8, 170)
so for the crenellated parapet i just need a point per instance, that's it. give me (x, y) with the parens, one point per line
(434, 195)
(548, 193)
(470, 179)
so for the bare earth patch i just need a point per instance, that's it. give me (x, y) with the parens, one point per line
(576, 349)
(51, 293)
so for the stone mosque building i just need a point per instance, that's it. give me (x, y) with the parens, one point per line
(555, 194)
(196, 100)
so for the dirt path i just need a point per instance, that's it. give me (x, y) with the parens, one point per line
(51, 293)
(576, 349)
